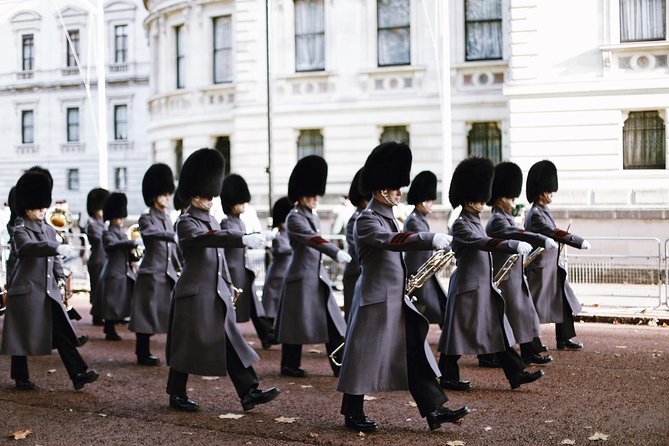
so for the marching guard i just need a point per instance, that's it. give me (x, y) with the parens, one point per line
(95, 226)
(553, 297)
(203, 337)
(431, 296)
(150, 306)
(308, 312)
(386, 342)
(36, 321)
(475, 322)
(520, 310)
(234, 196)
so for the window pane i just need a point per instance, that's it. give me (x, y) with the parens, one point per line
(73, 179)
(485, 139)
(395, 134)
(310, 142)
(27, 127)
(223, 49)
(483, 29)
(644, 141)
(642, 20)
(309, 35)
(74, 39)
(120, 178)
(393, 13)
(121, 44)
(394, 32)
(121, 122)
(181, 58)
(28, 52)
(73, 124)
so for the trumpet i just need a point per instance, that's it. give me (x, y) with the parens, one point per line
(65, 288)
(433, 265)
(236, 294)
(137, 252)
(532, 257)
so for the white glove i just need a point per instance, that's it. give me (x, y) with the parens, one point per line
(441, 241)
(269, 235)
(585, 244)
(64, 250)
(253, 241)
(550, 244)
(343, 257)
(523, 248)
(138, 241)
(176, 238)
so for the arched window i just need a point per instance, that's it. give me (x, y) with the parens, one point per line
(485, 139)
(395, 134)
(310, 142)
(644, 141)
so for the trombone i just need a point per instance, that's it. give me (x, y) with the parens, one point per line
(506, 268)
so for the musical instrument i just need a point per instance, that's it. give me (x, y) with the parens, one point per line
(66, 292)
(532, 257)
(3, 300)
(506, 268)
(59, 217)
(236, 294)
(137, 252)
(434, 264)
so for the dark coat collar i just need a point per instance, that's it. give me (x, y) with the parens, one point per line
(199, 214)
(381, 209)
(35, 226)
(157, 213)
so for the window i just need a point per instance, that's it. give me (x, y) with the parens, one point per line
(72, 46)
(395, 134)
(309, 35)
(121, 43)
(178, 156)
(181, 57)
(72, 179)
(222, 49)
(642, 20)
(28, 52)
(223, 146)
(310, 142)
(72, 124)
(121, 122)
(643, 141)
(483, 29)
(27, 127)
(394, 32)
(485, 139)
(121, 178)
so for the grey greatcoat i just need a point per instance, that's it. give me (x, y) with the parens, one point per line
(375, 351)
(242, 277)
(202, 318)
(94, 229)
(516, 292)
(474, 322)
(431, 296)
(352, 269)
(306, 299)
(547, 276)
(150, 307)
(281, 255)
(117, 277)
(28, 326)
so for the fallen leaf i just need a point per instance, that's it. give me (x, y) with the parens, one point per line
(20, 434)
(361, 434)
(306, 386)
(455, 443)
(285, 419)
(109, 375)
(487, 428)
(598, 436)
(411, 404)
(102, 415)
(549, 421)
(621, 346)
(313, 434)
(369, 398)
(50, 371)
(230, 416)
(568, 441)
(211, 378)
(617, 355)
(314, 350)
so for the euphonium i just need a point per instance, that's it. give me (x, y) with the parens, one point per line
(59, 218)
(137, 252)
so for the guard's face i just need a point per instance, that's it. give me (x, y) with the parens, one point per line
(547, 197)
(162, 201)
(509, 202)
(203, 203)
(36, 214)
(239, 208)
(309, 202)
(475, 206)
(391, 196)
(117, 221)
(425, 207)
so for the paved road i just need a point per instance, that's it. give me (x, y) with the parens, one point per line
(618, 385)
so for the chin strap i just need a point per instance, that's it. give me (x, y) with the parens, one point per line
(384, 194)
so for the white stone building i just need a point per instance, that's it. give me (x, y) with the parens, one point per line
(49, 116)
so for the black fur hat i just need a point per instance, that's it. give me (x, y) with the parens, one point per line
(423, 187)
(157, 180)
(508, 182)
(355, 195)
(43, 171)
(280, 211)
(201, 175)
(387, 167)
(471, 181)
(234, 191)
(541, 178)
(95, 200)
(115, 206)
(11, 201)
(178, 202)
(308, 178)
(33, 191)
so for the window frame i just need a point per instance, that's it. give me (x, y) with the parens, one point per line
(488, 140)
(70, 59)
(121, 181)
(308, 34)
(180, 58)
(378, 34)
(311, 146)
(637, 40)
(30, 59)
(118, 122)
(467, 27)
(69, 125)
(661, 128)
(25, 127)
(388, 129)
(73, 174)
(216, 51)
(122, 52)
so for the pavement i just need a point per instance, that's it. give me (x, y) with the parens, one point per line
(616, 388)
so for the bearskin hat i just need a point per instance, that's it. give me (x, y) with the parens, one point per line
(541, 178)
(508, 182)
(43, 171)
(280, 211)
(11, 201)
(387, 167)
(201, 175)
(115, 206)
(471, 181)
(423, 187)
(33, 191)
(355, 195)
(308, 178)
(234, 191)
(157, 180)
(95, 200)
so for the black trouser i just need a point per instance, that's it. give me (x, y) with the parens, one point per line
(529, 349)
(291, 354)
(142, 345)
(566, 330)
(110, 327)
(263, 325)
(243, 378)
(511, 362)
(67, 349)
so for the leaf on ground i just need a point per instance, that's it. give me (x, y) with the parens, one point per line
(621, 346)
(313, 434)
(369, 398)
(306, 386)
(211, 378)
(50, 371)
(109, 375)
(455, 443)
(314, 350)
(567, 441)
(617, 355)
(285, 419)
(549, 421)
(230, 416)
(411, 404)
(652, 322)
(597, 436)
(102, 415)
(361, 434)
(487, 428)
(20, 434)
